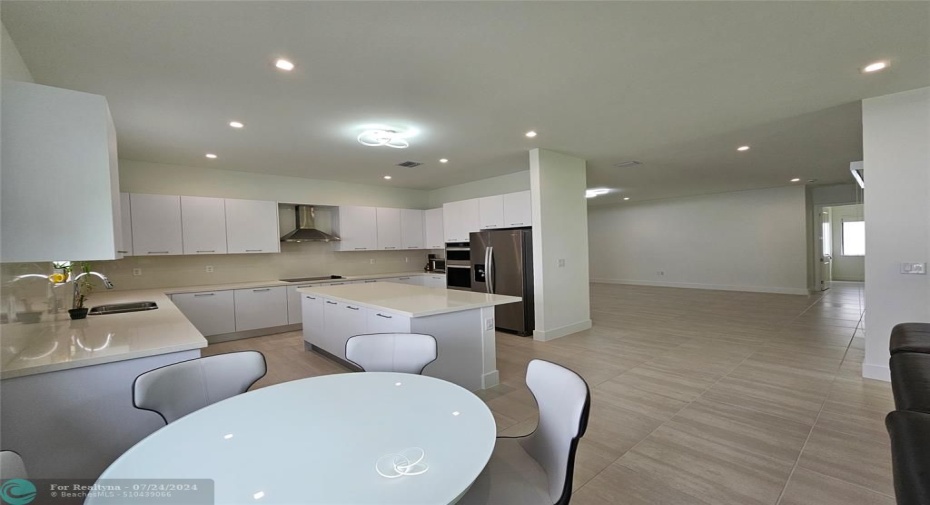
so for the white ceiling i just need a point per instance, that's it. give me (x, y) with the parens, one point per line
(676, 85)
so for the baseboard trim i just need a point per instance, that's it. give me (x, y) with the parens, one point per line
(543, 335)
(260, 332)
(490, 379)
(877, 372)
(715, 287)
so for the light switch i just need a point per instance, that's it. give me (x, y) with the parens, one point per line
(914, 268)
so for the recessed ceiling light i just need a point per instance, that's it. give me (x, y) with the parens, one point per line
(626, 198)
(796, 179)
(443, 160)
(530, 134)
(236, 124)
(875, 67)
(284, 65)
(742, 148)
(211, 156)
(387, 177)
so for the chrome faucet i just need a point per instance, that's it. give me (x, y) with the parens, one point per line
(106, 282)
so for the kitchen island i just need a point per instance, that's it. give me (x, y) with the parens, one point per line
(461, 321)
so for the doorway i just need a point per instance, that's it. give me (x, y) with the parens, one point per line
(840, 244)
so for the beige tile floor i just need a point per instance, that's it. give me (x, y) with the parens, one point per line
(698, 397)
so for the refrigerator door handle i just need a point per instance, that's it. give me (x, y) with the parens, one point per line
(490, 270)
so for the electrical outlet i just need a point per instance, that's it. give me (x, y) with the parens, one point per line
(406, 259)
(660, 272)
(209, 269)
(489, 324)
(371, 261)
(136, 271)
(561, 262)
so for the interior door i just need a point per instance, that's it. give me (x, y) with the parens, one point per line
(826, 249)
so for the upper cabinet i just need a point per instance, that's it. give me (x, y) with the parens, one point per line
(411, 229)
(357, 227)
(203, 225)
(252, 226)
(491, 210)
(460, 219)
(60, 193)
(156, 224)
(433, 229)
(518, 209)
(389, 232)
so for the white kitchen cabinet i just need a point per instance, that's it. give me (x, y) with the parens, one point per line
(434, 280)
(411, 229)
(380, 321)
(125, 244)
(491, 211)
(435, 239)
(156, 224)
(60, 194)
(211, 312)
(460, 219)
(294, 313)
(252, 226)
(406, 279)
(341, 321)
(357, 227)
(389, 230)
(518, 209)
(260, 308)
(311, 310)
(203, 225)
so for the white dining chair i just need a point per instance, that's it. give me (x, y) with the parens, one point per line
(536, 469)
(12, 466)
(391, 352)
(175, 390)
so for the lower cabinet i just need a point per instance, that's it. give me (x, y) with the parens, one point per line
(415, 280)
(385, 322)
(341, 320)
(311, 309)
(260, 308)
(433, 281)
(211, 312)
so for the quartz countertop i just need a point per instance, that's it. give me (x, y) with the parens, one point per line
(275, 283)
(59, 343)
(408, 300)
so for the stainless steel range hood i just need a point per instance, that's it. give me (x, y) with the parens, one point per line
(306, 228)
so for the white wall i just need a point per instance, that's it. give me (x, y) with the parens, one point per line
(896, 129)
(746, 241)
(146, 177)
(560, 244)
(510, 183)
(846, 268)
(12, 66)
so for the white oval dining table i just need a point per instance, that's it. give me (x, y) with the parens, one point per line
(318, 440)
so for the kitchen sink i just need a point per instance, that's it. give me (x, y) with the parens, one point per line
(119, 308)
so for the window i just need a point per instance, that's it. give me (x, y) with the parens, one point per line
(853, 238)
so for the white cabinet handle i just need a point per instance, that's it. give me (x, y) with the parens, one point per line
(386, 317)
(351, 307)
(211, 250)
(204, 294)
(122, 252)
(361, 248)
(254, 250)
(366, 282)
(261, 290)
(308, 297)
(158, 252)
(412, 247)
(403, 278)
(331, 303)
(516, 224)
(390, 248)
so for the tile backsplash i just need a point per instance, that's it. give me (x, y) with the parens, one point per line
(295, 260)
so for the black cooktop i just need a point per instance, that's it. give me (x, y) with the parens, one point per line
(306, 279)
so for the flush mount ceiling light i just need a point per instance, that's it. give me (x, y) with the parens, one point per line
(875, 67)
(386, 136)
(531, 134)
(387, 177)
(742, 148)
(211, 156)
(443, 160)
(796, 179)
(626, 198)
(591, 193)
(236, 124)
(284, 65)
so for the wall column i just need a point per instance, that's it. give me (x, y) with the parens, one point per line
(560, 244)
(897, 218)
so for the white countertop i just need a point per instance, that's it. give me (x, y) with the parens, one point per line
(58, 343)
(407, 300)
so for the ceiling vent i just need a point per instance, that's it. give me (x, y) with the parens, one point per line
(631, 163)
(409, 164)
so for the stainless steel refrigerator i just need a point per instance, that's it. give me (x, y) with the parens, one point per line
(502, 263)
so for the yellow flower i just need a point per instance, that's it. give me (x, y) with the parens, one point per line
(57, 278)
